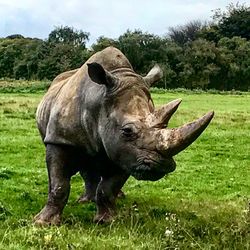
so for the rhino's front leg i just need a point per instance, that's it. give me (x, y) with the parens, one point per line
(106, 194)
(59, 185)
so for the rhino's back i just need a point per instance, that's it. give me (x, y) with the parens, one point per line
(60, 113)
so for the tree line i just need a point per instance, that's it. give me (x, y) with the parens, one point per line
(205, 55)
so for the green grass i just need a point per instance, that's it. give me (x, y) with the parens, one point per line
(22, 86)
(204, 204)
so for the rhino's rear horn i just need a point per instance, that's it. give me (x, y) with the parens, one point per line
(162, 115)
(182, 137)
(99, 75)
(154, 75)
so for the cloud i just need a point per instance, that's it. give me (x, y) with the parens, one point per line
(109, 18)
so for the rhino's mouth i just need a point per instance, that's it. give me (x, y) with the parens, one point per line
(151, 171)
(147, 174)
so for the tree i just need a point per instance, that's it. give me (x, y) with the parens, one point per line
(233, 60)
(27, 66)
(142, 49)
(210, 33)
(186, 33)
(172, 56)
(103, 42)
(198, 65)
(68, 35)
(64, 50)
(55, 58)
(29, 58)
(14, 52)
(14, 36)
(235, 21)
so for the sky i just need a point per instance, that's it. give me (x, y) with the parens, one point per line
(109, 18)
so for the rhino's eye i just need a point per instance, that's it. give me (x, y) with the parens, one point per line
(129, 131)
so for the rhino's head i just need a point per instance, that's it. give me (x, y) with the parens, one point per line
(133, 133)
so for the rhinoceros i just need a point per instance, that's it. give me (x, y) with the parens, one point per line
(100, 120)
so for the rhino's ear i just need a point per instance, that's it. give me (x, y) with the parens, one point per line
(154, 75)
(99, 75)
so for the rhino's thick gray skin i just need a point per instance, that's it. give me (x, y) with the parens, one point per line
(100, 120)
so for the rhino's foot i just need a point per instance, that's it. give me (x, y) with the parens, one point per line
(104, 218)
(121, 194)
(86, 199)
(48, 216)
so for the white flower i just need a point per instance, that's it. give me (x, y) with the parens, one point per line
(48, 238)
(169, 233)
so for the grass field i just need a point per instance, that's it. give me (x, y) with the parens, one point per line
(204, 204)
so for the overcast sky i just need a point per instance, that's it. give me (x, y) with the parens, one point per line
(110, 18)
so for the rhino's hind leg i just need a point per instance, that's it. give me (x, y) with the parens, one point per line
(57, 158)
(106, 193)
(91, 179)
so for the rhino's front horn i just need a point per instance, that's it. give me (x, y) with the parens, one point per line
(178, 139)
